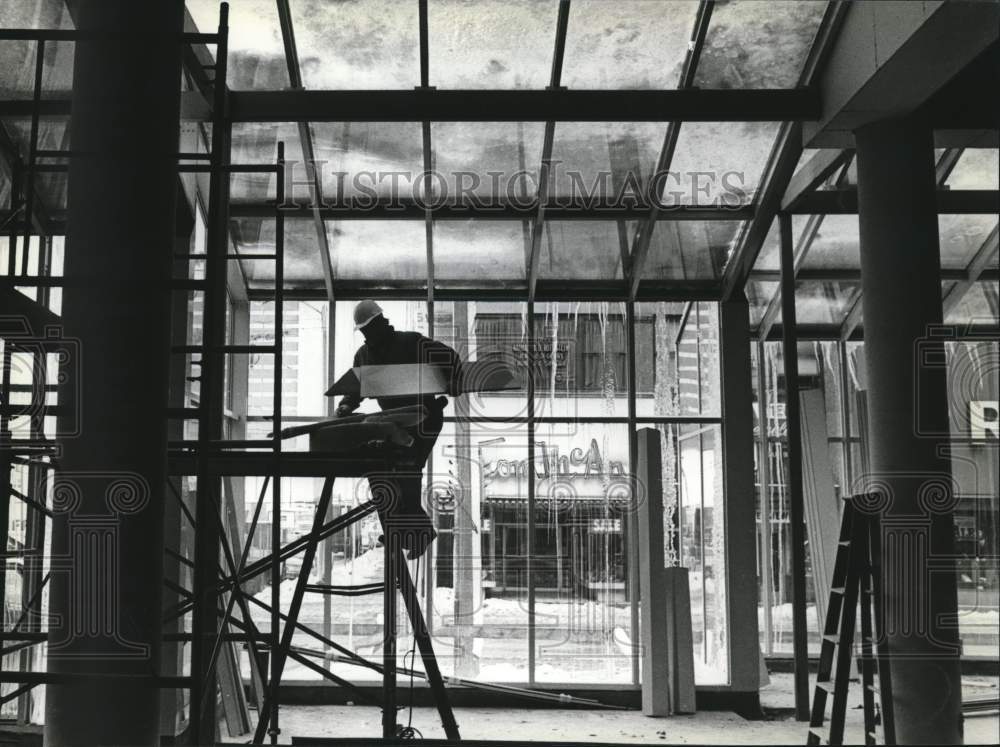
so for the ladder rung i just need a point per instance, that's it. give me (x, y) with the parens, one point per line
(194, 156)
(838, 589)
(844, 543)
(872, 689)
(825, 686)
(831, 638)
(872, 735)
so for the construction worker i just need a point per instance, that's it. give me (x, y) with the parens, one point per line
(399, 494)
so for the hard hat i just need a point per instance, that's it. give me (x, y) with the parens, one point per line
(364, 312)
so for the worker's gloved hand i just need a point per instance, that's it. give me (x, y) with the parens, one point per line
(343, 411)
(440, 403)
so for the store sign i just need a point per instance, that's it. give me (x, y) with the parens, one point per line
(984, 420)
(578, 463)
(606, 526)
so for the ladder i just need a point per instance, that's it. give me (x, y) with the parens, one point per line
(396, 576)
(856, 577)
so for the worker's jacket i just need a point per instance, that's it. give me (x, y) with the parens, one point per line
(407, 347)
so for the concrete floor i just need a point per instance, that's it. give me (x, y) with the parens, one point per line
(618, 727)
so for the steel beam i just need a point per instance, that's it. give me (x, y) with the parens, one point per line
(693, 105)
(796, 513)
(644, 231)
(813, 173)
(541, 198)
(844, 201)
(557, 208)
(306, 141)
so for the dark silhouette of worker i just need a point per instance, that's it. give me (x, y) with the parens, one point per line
(399, 494)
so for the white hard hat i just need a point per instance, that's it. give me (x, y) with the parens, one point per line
(364, 312)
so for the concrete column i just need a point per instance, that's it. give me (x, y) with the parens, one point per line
(901, 282)
(107, 541)
(741, 532)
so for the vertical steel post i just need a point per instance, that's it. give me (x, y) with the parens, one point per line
(205, 621)
(632, 515)
(793, 427)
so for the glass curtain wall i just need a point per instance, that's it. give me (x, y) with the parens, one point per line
(531, 578)
(832, 374)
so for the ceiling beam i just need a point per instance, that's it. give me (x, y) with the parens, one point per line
(644, 231)
(509, 290)
(538, 223)
(694, 105)
(556, 209)
(892, 57)
(305, 138)
(844, 201)
(813, 173)
(783, 159)
(780, 168)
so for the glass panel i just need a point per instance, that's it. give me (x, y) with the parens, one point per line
(977, 168)
(825, 302)
(627, 44)
(835, 243)
(769, 257)
(304, 339)
(758, 45)
(303, 266)
(487, 332)
(702, 534)
(53, 134)
(491, 43)
(256, 143)
(18, 58)
(584, 249)
(656, 357)
(581, 368)
(479, 250)
(689, 249)
(580, 562)
(256, 51)
(359, 160)
(718, 164)
(604, 159)
(759, 295)
(698, 382)
(369, 45)
(477, 492)
(961, 238)
(35, 14)
(378, 250)
(498, 160)
(479, 495)
(978, 305)
(778, 529)
(973, 384)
